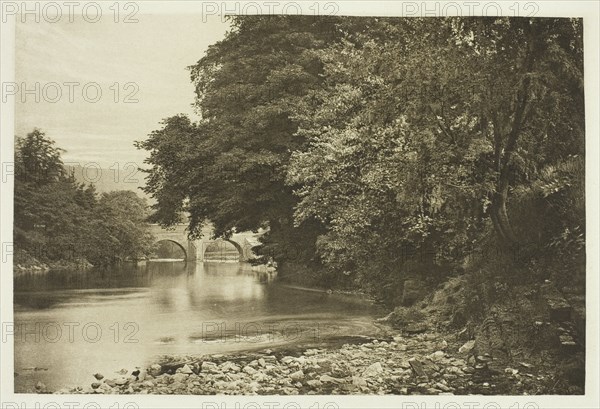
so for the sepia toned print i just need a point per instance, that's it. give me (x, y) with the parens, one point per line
(282, 204)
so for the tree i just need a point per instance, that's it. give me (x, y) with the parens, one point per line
(423, 129)
(48, 221)
(58, 219)
(230, 167)
(37, 159)
(533, 108)
(120, 230)
(385, 136)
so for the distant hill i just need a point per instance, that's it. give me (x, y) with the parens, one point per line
(106, 180)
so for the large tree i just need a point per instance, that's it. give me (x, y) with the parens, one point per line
(366, 138)
(424, 128)
(230, 167)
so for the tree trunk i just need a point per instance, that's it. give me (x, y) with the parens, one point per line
(499, 215)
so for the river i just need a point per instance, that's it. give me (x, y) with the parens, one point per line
(69, 326)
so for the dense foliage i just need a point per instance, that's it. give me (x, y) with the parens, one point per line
(58, 219)
(378, 148)
(230, 168)
(418, 141)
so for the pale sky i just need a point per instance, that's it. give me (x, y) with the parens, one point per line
(152, 53)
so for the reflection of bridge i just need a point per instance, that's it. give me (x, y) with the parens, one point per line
(195, 249)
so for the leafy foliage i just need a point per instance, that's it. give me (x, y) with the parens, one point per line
(383, 147)
(58, 219)
(230, 167)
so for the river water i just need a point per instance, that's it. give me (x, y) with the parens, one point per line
(69, 326)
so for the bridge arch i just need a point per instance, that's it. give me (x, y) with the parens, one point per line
(195, 249)
(211, 244)
(181, 246)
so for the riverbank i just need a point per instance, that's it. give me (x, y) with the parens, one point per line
(25, 263)
(419, 364)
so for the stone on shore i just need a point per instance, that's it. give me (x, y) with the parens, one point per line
(467, 347)
(373, 370)
(410, 364)
(297, 376)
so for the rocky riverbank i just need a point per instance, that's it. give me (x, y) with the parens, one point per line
(403, 364)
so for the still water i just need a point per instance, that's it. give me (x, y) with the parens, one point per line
(69, 326)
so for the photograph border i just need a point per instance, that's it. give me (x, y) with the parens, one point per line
(589, 10)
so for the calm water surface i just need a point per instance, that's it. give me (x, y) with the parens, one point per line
(72, 325)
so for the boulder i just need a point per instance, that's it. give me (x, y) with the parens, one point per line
(179, 377)
(373, 370)
(442, 387)
(269, 358)
(314, 383)
(415, 328)
(249, 370)
(330, 379)
(121, 381)
(359, 381)
(155, 370)
(209, 367)
(104, 387)
(230, 367)
(287, 360)
(467, 347)
(417, 367)
(297, 376)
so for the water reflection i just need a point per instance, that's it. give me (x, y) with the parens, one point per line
(167, 308)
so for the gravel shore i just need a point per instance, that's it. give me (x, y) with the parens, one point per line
(423, 364)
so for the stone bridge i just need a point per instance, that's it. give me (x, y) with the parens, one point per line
(194, 249)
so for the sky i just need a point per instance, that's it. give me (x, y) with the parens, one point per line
(146, 60)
